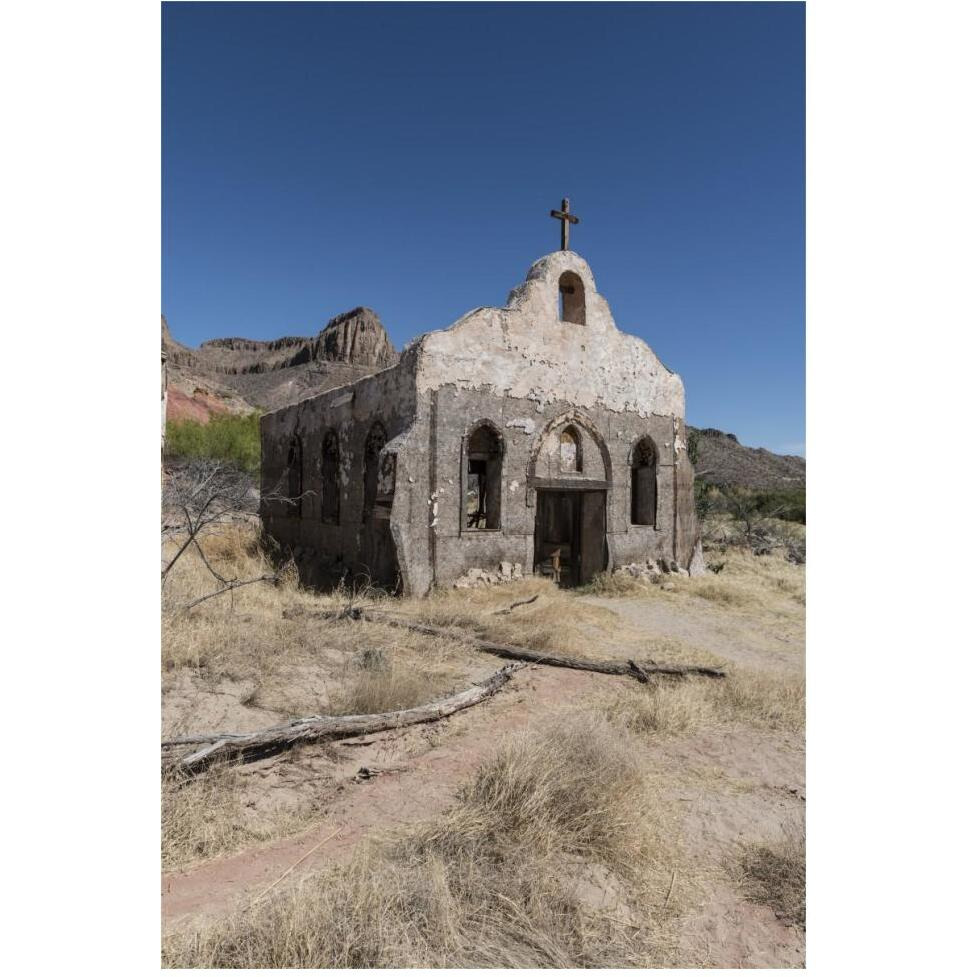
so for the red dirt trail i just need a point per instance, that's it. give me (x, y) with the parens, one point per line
(421, 785)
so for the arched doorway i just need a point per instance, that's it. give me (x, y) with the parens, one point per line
(570, 543)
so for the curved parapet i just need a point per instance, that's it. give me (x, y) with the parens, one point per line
(555, 340)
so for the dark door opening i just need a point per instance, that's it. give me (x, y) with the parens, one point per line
(570, 535)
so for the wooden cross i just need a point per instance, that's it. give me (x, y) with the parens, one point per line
(566, 219)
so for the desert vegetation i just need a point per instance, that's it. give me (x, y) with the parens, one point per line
(555, 854)
(775, 873)
(566, 843)
(234, 439)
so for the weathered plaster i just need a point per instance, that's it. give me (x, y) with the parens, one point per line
(525, 351)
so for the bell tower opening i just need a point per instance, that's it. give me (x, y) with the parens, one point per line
(572, 299)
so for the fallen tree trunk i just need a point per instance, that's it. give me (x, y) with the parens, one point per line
(638, 670)
(227, 745)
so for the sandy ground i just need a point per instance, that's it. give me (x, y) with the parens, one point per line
(731, 784)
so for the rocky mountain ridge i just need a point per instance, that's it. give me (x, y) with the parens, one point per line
(720, 459)
(236, 375)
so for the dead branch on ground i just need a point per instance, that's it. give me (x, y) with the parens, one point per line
(233, 585)
(223, 746)
(518, 603)
(640, 671)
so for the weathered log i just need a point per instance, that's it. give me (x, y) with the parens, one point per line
(636, 670)
(226, 745)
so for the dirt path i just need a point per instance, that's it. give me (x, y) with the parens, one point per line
(420, 770)
(758, 641)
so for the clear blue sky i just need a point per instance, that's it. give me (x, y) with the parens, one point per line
(406, 157)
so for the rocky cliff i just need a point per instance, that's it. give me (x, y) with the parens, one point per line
(356, 338)
(239, 375)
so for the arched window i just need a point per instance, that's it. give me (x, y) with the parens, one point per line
(295, 476)
(330, 478)
(644, 484)
(571, 457)
(572, 299)
(483, 487)
(375, 441)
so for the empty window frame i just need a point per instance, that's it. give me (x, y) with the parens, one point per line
(644, 484)
(483, 483)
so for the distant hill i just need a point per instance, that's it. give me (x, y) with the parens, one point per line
(722, 460)
(238, 376)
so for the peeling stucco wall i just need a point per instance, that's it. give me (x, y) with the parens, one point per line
(524, 350)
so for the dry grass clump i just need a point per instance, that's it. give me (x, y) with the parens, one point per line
(205, 817)
(754, 579)
(607, 584)
(723, 592)
(575, 787)
(775, 874)
(502, 880)
(234, 633)
(761, 699)
(377, 686)
(556, 621)
(666, 708)
(744, 582)
(674, 706)
(270, 637)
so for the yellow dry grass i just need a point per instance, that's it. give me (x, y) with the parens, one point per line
(363, 667)
(526, 870)
(268, 634)
(775, 874)
(205, 817)
(555, 621)
(745, 696)
(745, 582)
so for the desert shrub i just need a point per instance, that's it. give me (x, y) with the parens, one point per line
(226, 437)
(750, 505)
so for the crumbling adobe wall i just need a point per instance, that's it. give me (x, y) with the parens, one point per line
(527, 373)
(324, 550)
(529, 435)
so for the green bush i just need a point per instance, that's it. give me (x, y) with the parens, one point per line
(741, 502)
(228, 437)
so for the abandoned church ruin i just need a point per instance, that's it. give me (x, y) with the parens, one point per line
(536, 435)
